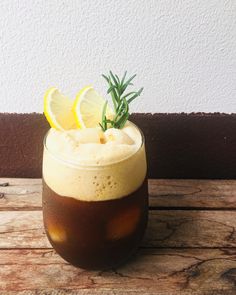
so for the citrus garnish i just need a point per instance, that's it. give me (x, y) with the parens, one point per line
(58, 110)
(88, 108)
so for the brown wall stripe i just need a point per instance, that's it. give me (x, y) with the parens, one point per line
(182, 145)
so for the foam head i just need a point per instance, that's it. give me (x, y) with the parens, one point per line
(92, 165)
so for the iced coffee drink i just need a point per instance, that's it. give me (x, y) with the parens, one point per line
(95, 199)
(95, 194)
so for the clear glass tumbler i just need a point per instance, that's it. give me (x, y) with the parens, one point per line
(88, 232)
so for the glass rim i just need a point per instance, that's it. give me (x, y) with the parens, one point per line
(84, 166)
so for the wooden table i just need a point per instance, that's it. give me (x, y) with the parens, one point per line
(189, 247)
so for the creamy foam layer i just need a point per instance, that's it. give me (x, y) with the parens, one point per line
(92, 165)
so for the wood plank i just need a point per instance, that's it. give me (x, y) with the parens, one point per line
(192, 193)
(26, 194)
(175, 228)
(22, 229)
(191, 229)
(20, 194)
(150, 271)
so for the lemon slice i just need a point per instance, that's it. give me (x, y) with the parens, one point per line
(88, 107)
(58, 110)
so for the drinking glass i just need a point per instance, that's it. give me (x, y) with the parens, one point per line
(94, 233)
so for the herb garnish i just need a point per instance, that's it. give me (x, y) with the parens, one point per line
(120, 99)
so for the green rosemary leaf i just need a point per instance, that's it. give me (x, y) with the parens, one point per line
(101, 125)
(118, 111)
(113, 94)
(126, 117)
(116, 89)
(127, 83)
(114, 79)
(105, 77)
(125, 111)
(110, 89)
(105, 123)
(126, 105)
(130, 93)
(135, 95)
(123, 78)
(119, 121)
(117, 78)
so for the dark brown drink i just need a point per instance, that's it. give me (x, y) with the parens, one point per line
(95, 198)
(95, 234)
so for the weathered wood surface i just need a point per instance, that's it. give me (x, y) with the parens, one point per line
(20, 194)
(192, 193)
(25, 194)
(189, 247)
(166, 228)
(151, 271)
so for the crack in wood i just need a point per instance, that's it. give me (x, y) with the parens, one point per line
(194, 271)
(4, 184)
(22, 193)
(20, 230)
(178, 223)
(172, 227)
(230, 275)
(231, 236)
(122, 275)
(177, 195)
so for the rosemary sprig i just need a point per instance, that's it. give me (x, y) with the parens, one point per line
(120, 99)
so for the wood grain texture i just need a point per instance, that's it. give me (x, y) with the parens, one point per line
(191, 229)
(197, 145)
(192, 193)
(20, 194)
(22, 229)
(26, 194)
(166, 228)
(151, 271)
(184, 252)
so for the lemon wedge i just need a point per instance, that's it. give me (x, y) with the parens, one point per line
(88, 107)
(58, 110)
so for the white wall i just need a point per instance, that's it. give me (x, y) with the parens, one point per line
(184, 52)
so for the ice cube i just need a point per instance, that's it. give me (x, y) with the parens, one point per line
(87, 135)
(56, 233)
(117, 136)
(123, 224)
(132, 132)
